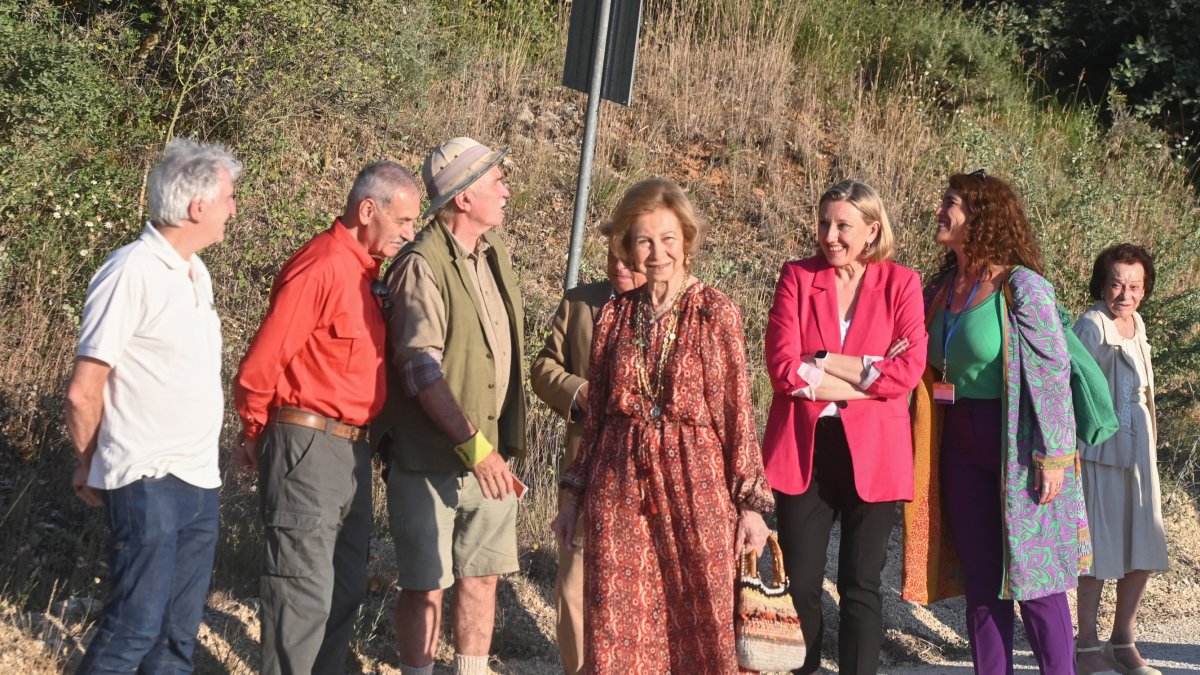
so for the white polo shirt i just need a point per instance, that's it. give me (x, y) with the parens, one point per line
(149, 314)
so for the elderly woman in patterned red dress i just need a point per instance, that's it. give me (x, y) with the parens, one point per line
(669, 470)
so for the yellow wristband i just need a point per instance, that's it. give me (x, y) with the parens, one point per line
(473, 450)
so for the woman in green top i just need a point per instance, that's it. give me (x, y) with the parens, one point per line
(977, 369)
(999, 376)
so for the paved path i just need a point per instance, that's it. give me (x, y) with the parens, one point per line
(1172, 658)
(1168, 624)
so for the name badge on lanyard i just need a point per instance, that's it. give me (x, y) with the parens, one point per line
(943, 392)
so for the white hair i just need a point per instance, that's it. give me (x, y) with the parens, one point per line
(187, 171)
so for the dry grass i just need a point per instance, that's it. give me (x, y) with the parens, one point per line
(754, 123)
(20, 650)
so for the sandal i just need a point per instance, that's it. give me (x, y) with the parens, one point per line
(1085, 650)
(1122, 668)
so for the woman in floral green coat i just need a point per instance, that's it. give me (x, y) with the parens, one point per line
(997, 482)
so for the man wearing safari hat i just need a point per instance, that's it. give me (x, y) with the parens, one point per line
(455, 410)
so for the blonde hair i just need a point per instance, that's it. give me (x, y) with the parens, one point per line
(864, 198)
(647, 196)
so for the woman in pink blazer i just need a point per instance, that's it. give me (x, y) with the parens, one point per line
(845, 344)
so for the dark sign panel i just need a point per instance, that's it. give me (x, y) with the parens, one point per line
(625, 20)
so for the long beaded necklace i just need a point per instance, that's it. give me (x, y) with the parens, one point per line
(644, 342)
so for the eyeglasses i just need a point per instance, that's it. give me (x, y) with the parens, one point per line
(380, 291)
(981, 174)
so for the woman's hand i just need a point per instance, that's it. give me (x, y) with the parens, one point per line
(898, 347)
(1048, 482)
(564, 523)
(751, 533)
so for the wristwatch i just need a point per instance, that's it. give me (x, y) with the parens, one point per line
(819, 358)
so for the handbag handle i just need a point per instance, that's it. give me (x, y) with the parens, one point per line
(750, 561)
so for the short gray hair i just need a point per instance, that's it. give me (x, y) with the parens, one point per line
(187, 171)
(380, 181)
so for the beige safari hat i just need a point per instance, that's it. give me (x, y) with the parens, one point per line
(452, 166)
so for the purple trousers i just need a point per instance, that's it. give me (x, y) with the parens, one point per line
(971, 461)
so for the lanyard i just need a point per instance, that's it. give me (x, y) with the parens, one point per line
(948, 331)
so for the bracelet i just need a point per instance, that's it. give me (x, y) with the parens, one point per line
(473, 450)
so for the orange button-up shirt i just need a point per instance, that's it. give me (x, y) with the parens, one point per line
(320, 346)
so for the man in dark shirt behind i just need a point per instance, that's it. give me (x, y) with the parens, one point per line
(559, 376)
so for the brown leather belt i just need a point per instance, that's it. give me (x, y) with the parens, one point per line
(309, 420)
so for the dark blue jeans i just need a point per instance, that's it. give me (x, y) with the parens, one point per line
(164, 536)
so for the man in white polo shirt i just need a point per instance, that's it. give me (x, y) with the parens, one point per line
(144, 410)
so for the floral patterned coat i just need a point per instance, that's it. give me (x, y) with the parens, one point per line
(1046, 546)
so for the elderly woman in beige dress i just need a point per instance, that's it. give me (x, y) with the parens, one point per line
(1120, 476)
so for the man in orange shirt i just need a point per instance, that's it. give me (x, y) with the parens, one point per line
(310, 382)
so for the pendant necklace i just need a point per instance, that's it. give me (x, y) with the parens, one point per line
(643, 341)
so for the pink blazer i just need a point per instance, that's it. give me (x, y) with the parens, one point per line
(803, 320)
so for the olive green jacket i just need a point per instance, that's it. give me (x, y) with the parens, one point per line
(411, 438)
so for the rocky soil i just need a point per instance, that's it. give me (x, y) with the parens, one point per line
(919, 640)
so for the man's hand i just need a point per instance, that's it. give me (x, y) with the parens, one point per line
(495, 480)
(84, 408)
(563, 524)
(89, 495)
(245, 454)
(581, 397)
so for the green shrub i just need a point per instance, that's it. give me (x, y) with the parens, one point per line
(1144, 50)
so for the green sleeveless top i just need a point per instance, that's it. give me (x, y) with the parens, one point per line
(976, 365)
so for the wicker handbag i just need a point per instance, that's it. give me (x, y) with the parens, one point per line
(766, 624)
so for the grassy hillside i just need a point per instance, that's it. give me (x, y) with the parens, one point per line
(754, 106)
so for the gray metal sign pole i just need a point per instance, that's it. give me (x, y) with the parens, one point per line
(589, 147)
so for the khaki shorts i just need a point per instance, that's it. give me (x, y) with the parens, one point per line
(445, 529)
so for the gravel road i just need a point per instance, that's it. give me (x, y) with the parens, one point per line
(932, 640)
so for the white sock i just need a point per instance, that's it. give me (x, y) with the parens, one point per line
(413, 670)
(471, 665)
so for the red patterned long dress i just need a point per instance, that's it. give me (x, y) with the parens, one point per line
(662, 491)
